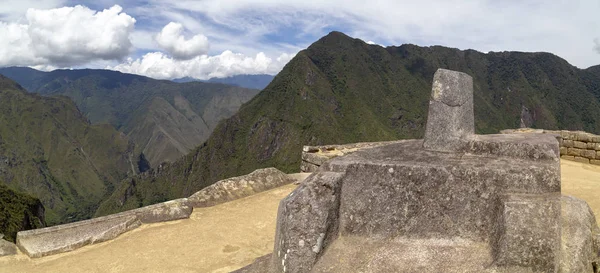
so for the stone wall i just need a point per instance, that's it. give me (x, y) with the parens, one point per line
(574, 145)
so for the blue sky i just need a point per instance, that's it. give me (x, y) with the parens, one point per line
(218, 38)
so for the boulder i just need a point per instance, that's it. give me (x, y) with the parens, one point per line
(6, 247)
(167, 211)
(237, 187)
(580, 237)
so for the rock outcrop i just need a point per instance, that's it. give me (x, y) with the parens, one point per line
(238, 187)
(481, 203)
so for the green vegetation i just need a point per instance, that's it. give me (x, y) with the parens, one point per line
(165, 119)
(49, 150)
(342, 90)
(18, 212)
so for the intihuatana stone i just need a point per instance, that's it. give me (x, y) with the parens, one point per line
(450, 117)
(453, 203)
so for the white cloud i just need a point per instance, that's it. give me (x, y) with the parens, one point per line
(172, 40)
(160, 66)
(14, 10)
(561, 27)
(597, 45)
(66, 36)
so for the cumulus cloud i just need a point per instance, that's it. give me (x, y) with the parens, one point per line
(161, 66)
(66, 36)
(559, 27)
(172, 40)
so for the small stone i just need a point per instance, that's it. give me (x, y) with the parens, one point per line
(568, 143)
(574, 151)
(581, 159)
(301, 243)
(579, 144)
(595, 161)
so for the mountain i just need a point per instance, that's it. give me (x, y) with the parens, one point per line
(18, 212)
(49, 150)
(248, 81)
(165, 119)
(343, 90)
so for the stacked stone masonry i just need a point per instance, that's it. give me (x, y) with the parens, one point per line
(574, 145)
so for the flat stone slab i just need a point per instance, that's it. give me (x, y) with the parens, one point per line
(52, 240)
(167, 211)
(238, 187)
(7, 248)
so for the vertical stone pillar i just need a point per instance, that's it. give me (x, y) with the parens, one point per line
(450, 119)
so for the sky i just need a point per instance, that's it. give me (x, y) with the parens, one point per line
(168, 39)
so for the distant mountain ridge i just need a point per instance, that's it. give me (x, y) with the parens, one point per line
(166, 120)
(50, 151)
(343, 90)
(247, 81)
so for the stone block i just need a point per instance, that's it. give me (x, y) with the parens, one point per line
(567, 157)
(568, 143)
(529, 233)
(167, 211)
(574, 151)
(596, 139)
(7, 248)
(584, 137)
(450, 116)
(317, 159)
(581, 159)
(579, 145)
(590, 154)
(62, 238)
(595, 161)
(307, 222)
(563, 150)
(237, 187)
(580, 235)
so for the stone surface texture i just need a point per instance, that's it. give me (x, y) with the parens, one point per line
(453, 202)
(580, 237)
(450, 117)
(6, 247)
(315, 156)
(57, 239)
(237, 187)
(577, 146)
(63, 238)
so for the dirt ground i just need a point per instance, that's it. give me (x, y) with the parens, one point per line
(221, 238)
(582, 181)
(215, 239)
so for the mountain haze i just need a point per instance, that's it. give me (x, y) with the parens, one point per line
(50, 151)
(342, 90)
(165, 119)
(248, 81)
